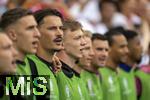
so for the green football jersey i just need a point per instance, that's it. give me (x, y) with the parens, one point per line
(145, 81)
(23, 67)
(65, 89)
(45, 68)
(71, 86)
(93, 85)
(110, 84)
(127, 84)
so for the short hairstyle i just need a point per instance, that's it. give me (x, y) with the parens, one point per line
(11, 16)
(97, 36)
(71, 25)
(120, 2)
(110, 34)
(118, 29)
(129, 34)
(102, 2)
(41, 14)
(87, 33)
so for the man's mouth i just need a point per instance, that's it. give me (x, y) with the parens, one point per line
(102, 59)
(14, 62)
(35, 43)
(58, 39)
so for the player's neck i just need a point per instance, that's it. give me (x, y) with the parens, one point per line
(111, 64)
(46, 55)
(77, 68)
(21, 56)
(91, 69)
(63, 56)
(130, 62)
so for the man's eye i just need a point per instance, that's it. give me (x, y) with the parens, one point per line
(30, 27)
(61, 28)
(52, 28)
(99, 49)
(77, 38)
(106, 49)
(88, 48)
(7, 47)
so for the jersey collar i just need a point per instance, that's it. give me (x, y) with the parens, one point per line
(68, 71)
(49, 64)
(125, 67)
(20, 62)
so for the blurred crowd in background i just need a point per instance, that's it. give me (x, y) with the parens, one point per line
(97, 16)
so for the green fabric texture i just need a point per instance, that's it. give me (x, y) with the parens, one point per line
(81, 88)
(24, 69)
(65, 89)
(93, 85)
(127, 84)
(43, 69)
(71, 88)
(110, 84)
(145, 80)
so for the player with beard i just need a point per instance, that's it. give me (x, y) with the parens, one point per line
(126, 70)
(89, 75)
(118, 52)
(70, 83)
(144, 75)
(50, 26)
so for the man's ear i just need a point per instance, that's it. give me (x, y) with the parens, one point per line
(12, 34)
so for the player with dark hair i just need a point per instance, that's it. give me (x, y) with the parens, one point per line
(117, 53)
(21, 27)
(127, 67)
(45, 61)
(101, 49)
